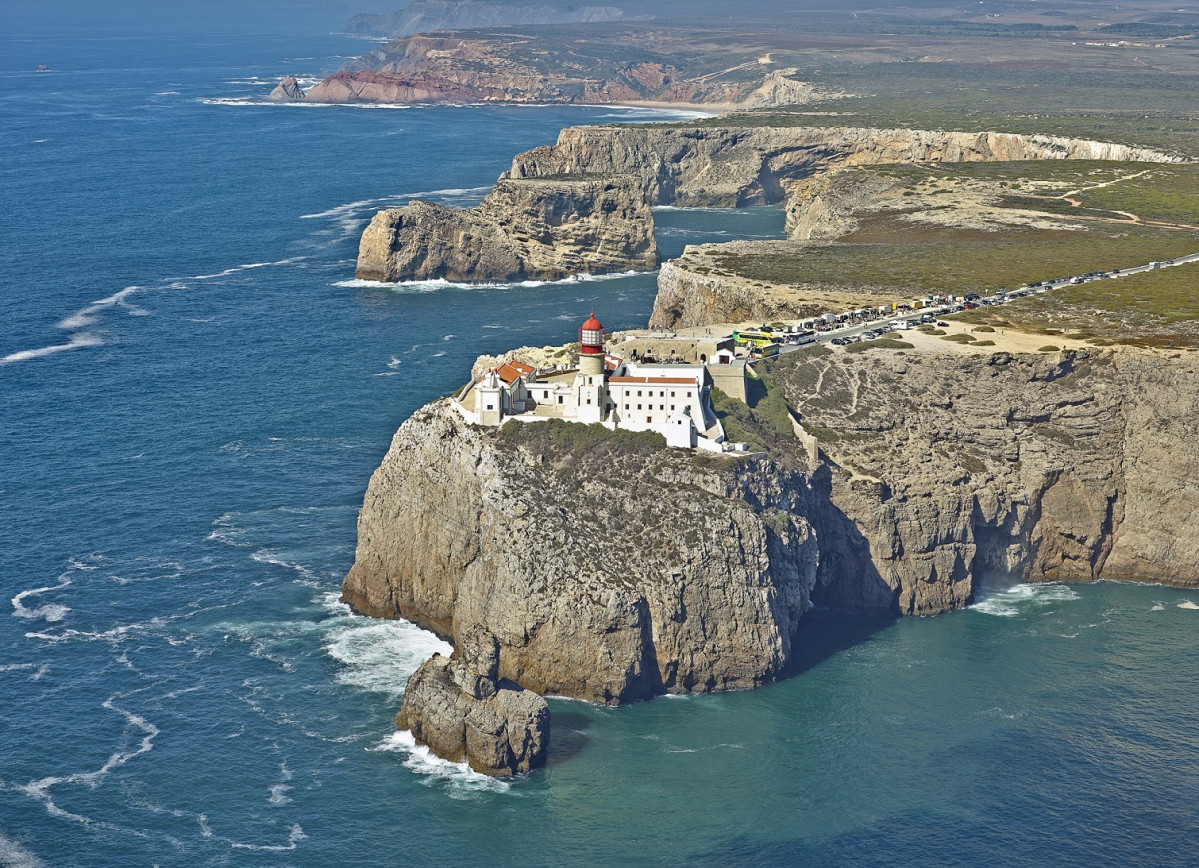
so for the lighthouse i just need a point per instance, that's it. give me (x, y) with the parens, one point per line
(591, 392)
(591, 347)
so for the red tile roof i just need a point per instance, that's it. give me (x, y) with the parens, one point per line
(509, 371)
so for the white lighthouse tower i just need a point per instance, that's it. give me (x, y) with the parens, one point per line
(591, 392)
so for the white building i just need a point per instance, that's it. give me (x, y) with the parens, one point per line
(671, 399)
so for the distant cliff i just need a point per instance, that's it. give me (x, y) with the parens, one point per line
(543, 229)
(729, 166)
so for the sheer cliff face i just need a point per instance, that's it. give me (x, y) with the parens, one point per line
(608, 573)
(958, 471)
(541, 229)
(608, 570)
(732, 166)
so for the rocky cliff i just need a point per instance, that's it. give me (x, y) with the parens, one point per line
(607, 568)
(967, 470)
(543, 229)
(580, 64)
(730, 166)
(460, 708)
(288, 90)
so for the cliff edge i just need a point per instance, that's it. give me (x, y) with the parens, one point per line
(544, 229)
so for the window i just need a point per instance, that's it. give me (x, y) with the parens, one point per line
(638, 393)
(588, 401)
(559, 399)
(638, 406)
(491, 406)
(649, 419)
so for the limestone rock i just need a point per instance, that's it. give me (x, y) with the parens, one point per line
(288, 90)
(960, 472)
(729, 166)
(540, 229)
(609, 573)
(498, 728)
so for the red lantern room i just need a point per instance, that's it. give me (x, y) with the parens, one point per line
(591, 337)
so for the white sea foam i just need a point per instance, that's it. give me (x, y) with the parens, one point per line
(394, 363)
(13, 855)
(41, 789)
(294, 837)
(460, 779)
(77, 341)
(1023, 599)
(378, 655)
(1188, 604)
(441, 283)
(51, 612)
(86, 317)
(280, 790)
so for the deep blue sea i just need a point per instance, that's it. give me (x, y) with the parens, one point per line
(193, 393)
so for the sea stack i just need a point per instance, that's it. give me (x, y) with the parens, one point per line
(288, 90)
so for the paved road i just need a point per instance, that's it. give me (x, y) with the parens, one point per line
(914, 316)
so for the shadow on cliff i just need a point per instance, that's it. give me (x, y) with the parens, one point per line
(852, 599)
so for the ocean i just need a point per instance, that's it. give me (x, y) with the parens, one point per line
(194, 391)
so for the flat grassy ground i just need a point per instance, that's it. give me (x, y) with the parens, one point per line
(890, 255)
(1155, 309)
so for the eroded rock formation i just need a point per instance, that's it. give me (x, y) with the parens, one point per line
(288, 90)
(543, 229)
(610, 569)
(461, 709)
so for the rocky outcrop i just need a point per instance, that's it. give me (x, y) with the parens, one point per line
(731, 166)
(607, 567)
(544, 229)
(288, 90)
(423, 16)
(966, 471)
(598, 565)
(460, 709)
(699, 289)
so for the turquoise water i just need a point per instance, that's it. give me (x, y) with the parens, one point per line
(193, 395)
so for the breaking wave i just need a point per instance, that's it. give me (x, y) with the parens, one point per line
(1023, 599)
(460, 780)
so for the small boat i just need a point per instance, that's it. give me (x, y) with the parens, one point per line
(43, 68)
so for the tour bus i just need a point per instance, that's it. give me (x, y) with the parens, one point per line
(754, 339)
(805, 336)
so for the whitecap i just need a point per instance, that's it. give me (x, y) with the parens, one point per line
(1187, 604)
(460, 779)
(1020, 599)
(394, 363)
